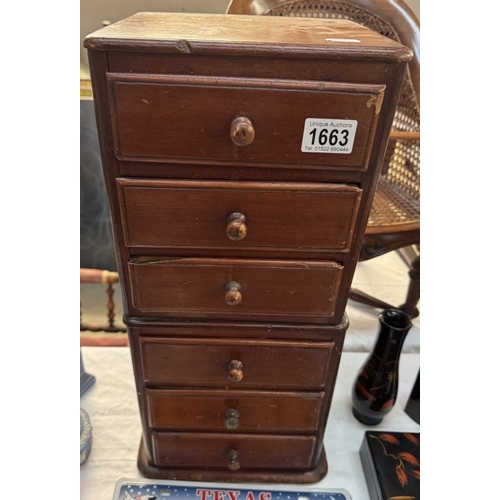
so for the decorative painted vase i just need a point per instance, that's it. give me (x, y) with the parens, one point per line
(375, 389)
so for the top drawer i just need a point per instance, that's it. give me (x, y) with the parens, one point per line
(207, 119)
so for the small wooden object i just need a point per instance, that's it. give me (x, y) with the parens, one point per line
(241, 155)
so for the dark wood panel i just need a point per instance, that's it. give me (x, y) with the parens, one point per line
(207, 363)
(250, 67)
(198, 287)
(224, 411)
(194, 450)
(144, 327)
(243, 253)
(156, 168)
(303, 216)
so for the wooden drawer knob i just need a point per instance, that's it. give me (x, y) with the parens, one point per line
(233, 463)
(242, 131)
(236, 228)
(235, 370)
(232, 423)
(233, 293)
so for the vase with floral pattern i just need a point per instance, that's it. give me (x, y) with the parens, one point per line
(376, 386)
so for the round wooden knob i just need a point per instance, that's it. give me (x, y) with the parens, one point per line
(233, 293)
(232, 423)
(236, 228)
(242, 132)
(235, 370)
(233, 463)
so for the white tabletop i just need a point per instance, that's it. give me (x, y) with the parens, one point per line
(113, 409)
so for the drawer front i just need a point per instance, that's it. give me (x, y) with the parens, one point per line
(230, 287)
(234, 411)
(222, 451)
(169, 118)
(236, 363)
(160, 214)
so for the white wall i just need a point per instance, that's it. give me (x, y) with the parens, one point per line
(414, 6)
(93, 12)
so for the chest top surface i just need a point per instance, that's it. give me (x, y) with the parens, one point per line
(251, 35)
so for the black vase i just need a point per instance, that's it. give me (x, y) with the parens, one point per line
(376, 387)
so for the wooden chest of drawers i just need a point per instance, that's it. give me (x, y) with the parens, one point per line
(241, 156)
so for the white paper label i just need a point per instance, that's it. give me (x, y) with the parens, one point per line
(328, 135)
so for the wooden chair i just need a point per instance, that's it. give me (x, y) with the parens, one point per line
(104, 334)
(394, 222)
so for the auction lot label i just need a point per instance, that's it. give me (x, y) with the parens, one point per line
(328, 135)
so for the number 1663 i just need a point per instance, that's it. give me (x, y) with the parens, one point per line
(329, 137)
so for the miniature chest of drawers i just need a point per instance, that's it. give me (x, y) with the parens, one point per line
(241, 156)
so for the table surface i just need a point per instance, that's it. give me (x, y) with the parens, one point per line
(116, 430)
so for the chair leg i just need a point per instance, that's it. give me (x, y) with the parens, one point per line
(413, 296)
(364, 298)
